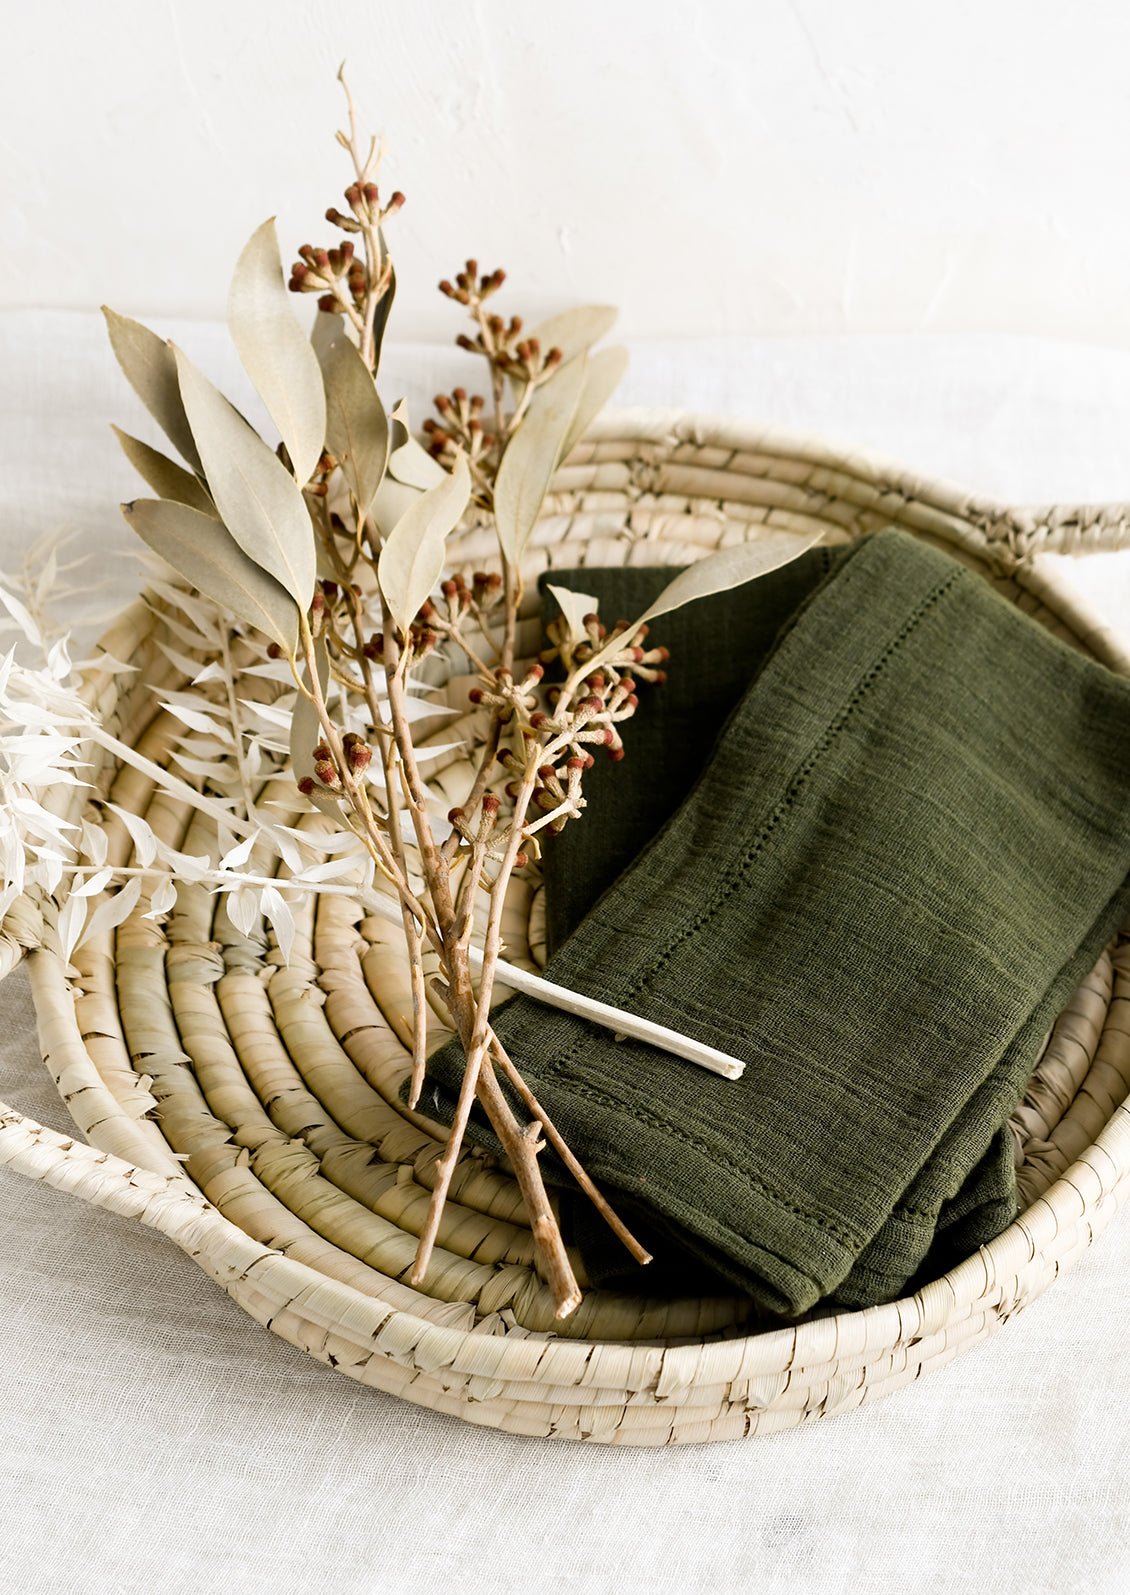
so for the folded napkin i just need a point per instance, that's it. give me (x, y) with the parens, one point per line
(909, 844)
(716, 645)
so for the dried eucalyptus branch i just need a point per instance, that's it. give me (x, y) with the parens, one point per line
(332, 548)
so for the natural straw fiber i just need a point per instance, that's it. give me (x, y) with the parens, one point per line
(250, 1109)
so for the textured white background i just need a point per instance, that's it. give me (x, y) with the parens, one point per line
(724, 172)
(781, 166)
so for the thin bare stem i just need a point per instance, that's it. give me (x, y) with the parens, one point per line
(556, 1140)
(522, 1147)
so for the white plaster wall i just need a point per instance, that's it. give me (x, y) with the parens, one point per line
(773, 166)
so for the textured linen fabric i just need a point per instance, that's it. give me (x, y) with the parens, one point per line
(154, 1437)
(716, 644)
(909, 845)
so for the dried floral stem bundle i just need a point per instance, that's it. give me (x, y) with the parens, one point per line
(331, 549)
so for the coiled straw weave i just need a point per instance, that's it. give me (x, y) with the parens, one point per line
(249, 1109)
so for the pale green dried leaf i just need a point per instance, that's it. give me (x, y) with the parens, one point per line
(392, 501)
(305, 727)
(259, 501)
(357, 431)
(414, 466)
(730, 567)
(150, 368)
(383, 310)
(327, 325)
(574, 331)
(574, 607)
(164, 476)
(604, 372)
(275, 352)
(203, 551)
(412, 557)
(532, 456)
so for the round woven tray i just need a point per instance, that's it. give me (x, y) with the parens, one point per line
(249, 1108)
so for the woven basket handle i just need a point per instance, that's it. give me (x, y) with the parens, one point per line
(100, 1178)
(1075, 529)
(104, 1179)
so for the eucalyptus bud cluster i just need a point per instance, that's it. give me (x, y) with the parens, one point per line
(460, 427)
(466, 291)
(337, 275)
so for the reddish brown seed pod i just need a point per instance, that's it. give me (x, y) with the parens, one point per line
(321, 752)
(491, 804)
(475, 695)
(306, 785)
(455, 815)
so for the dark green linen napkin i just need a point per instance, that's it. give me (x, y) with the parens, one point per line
(909, 845)
(716, 645)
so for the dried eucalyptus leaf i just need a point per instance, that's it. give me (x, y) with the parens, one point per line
(328, 325)
(574, 331)
(163, 475)
(574, 607)
(392, 501)
(203, 551)
(730, 567)
(412, 557)
(603, 374)
(275, 352)
(305, 727)
(532, 456)
(384, 306)
(399, 426)
(357, 431)
(150, 369)
(414, 466)
(258, 499)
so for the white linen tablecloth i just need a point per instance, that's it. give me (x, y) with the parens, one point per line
(154, 1438)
